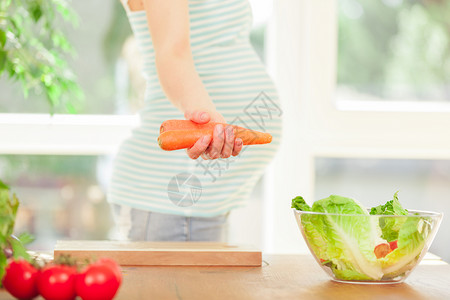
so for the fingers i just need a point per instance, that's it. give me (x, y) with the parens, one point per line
(223, 144)
(199, 147)
(215, 148)
(205, 156)
(238, 144)
(229, 142)
(198, 116)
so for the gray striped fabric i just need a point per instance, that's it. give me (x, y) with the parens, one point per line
(148, 178)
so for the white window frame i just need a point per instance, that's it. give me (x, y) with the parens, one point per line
(29, 134)
(302, 58)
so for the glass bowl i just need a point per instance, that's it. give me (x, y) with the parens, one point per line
(370, 249)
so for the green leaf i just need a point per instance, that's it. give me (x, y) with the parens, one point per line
(3, 185)
(411, 241)
(3, 263)
(2, 38)
(25, 238)
(348, 274)
(3, 57)
(14, 202)
(15, 27)
(53, 93)
(349, 238)
(390, 227)
(8, 211)
(314, 229)
(19, 250)
(36, 11)
(300, 204)
(70, 108)
(392, 207)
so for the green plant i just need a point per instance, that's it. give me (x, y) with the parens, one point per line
(33, 50)
(10, 245)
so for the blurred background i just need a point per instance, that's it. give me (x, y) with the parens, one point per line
(390, 55)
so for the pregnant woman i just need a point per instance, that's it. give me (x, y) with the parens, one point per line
(199, 65)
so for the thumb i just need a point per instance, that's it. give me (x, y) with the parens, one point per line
(198, 116)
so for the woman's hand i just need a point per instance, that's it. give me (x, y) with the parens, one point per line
(223, 143)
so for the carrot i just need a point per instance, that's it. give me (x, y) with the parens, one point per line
(180, 134)
(183, 125)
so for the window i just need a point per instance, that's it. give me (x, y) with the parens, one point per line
(405, 56)
(304, 57)
(60, 196)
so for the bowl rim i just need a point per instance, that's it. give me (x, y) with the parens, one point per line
(420, 213)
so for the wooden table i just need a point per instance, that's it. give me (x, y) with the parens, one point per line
(280, 277)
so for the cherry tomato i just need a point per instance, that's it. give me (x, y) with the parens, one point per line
(393, 245)
(57, 282)
(382, 250)
(20, 279)
(99, 281)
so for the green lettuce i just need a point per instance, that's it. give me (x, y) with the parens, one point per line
(411, 241)
(346, 243)
(350, 240)
(300, 204)
(390, 227)
(312, 229)
(349, 274)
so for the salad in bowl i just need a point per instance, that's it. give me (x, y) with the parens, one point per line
(354, 244)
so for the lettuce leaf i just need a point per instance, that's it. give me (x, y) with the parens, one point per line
(348, 274)
(312, 228)
(349, 240)
(392, 207)
(390, 227)
(300, 204)
(411, 241)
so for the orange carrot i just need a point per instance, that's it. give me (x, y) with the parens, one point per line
(180, 135)
(183, 125)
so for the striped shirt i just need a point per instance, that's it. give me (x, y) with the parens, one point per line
(148, 178)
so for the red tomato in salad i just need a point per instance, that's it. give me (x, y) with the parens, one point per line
(393, 245)
(382, 250)
(99, 281)
(20, 279)
(57, 282)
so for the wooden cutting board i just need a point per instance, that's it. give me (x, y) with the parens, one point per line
(162, 253)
